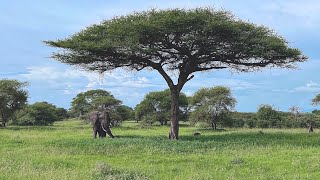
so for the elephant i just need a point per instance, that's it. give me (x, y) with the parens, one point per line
(100, 123)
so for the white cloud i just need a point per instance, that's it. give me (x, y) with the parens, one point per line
(309, 87)
(74, 81)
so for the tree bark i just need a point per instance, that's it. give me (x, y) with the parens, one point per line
(4, 120)
(214, 125)
(175, 92)
(174, 129)
(310, 129)
(213, 122)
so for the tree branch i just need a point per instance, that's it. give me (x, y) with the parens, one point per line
(159, 68)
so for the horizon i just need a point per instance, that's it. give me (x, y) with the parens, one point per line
(25, 57)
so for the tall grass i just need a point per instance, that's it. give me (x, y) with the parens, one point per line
(67, 151)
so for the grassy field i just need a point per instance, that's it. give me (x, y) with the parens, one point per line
(67, 151)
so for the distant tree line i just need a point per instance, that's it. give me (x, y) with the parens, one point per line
(207, 108)
(214, 108)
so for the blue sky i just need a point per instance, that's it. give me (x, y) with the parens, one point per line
(25, 24)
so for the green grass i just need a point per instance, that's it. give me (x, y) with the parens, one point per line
(67, 151)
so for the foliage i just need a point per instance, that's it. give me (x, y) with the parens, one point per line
(316, 111)
(176, 40)
(243, 119)
(125, 112)
(62, 113)
(87, 101)
(142, 40)
(105, 102)
(40, 113)
(268, 117)
(212, 105)
(12, 98)
(155, 107)
(99, 99)
(316, 100)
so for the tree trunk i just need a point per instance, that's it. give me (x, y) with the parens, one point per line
(214, 126)
(174, 129)
(214, 123)
(4, 120)
(310, 129)
(80, 114)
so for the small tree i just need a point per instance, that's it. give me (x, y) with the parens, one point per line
(12, 98)
(268, 117)
(212, 105)
(110, 104)
(83, 102)
(125, 112)
(93, 100)
(295, 111)
(156, 107)
(176, 41)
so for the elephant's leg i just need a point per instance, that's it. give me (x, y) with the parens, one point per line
(93, 117)
(101, 133)
(95, 133)
(106, 126)
(108, 131)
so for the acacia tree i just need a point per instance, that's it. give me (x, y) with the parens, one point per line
(212, 104)
(12, 98)
(316, 100)
(84, 102)
(296, 111)
(176, 40)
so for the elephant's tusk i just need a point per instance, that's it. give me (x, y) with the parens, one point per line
(103, 128)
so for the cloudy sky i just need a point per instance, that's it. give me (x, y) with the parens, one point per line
(25, 24)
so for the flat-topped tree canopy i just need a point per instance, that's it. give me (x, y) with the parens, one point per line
(184, 41)
(316, 100)
(205, 38)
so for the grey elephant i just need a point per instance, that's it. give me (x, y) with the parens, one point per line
(100, 123)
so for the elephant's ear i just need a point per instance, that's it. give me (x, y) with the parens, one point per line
(93, 117)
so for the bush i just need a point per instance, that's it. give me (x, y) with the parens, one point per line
(40, 113)
(251, 123)
(263, 124)
(238, 123)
